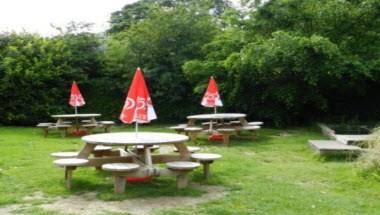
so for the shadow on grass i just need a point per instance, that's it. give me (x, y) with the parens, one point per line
(337, 158)
(241, 141)
(158, 187)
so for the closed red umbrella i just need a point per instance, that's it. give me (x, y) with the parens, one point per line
(138, 105)
(211, 97)
(76, 98)
(138, 108)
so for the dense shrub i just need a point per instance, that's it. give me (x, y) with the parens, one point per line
(36, 73)
(285, 61)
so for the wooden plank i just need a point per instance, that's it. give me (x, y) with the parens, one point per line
(332, 147)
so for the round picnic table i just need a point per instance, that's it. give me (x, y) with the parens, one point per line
(146, 139)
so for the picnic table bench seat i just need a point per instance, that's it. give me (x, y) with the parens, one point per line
(251, 128)
(61, 155)
(70, 164)
(101, 148)
(63, 128)
(333, 147)
(191, 149)
(226, 132)
(107, 125)
(193, 133)
(206, 159)
(257, 123)
(182, 169)
(119, 171)
(45, 127)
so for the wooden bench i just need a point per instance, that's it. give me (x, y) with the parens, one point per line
(107, 125)
(226, 132)
(182, 169)
(62, 128)
(62, 155)
(193, 133)
(258, 123)
(235, 122)
(119, 171)
(70, 164)
(253, 129)
(333, 147)
(45, 127)
(205, 159)
(191, 149)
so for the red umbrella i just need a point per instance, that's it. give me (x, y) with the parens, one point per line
(76, 98)
(138, 106)
(211, 97)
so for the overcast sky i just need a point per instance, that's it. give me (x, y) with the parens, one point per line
(37, 15)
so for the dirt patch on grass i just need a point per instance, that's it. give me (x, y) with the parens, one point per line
(88, 204)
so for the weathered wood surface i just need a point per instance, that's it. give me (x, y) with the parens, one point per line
(333, 147)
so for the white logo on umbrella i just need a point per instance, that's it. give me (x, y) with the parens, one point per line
(130, 103)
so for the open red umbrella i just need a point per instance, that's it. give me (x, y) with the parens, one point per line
(76, 98)
(211, 97)
(138, 106)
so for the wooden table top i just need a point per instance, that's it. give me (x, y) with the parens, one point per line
(79, 115)
(217, 116)
(130, 138)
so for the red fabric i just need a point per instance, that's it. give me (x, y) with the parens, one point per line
(211, 97)
(138, 105)
(76, 98)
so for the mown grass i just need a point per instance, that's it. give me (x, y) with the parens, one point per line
(276, 174)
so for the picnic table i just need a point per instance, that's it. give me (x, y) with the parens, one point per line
(62, 117)
(217, 116)
(136, 163)
(144, 162)
(145, 139)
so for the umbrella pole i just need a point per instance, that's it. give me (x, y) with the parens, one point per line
(76, 119)
(215, 109)
(136, 128)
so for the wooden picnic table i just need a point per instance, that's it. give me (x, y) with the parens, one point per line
(145, 160)
(217, 116)
(77, 117)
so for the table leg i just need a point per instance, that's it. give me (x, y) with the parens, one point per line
(182, 179)
(119, 184)
(148, 156)
(93, 120)
(86, 151)
(59, 121)
(191, 122)
(243, 121)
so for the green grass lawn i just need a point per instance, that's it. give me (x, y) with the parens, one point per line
(276, 174)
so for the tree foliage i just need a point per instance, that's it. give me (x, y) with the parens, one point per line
(282, 61)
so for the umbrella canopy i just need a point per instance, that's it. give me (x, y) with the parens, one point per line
(138, 106)
(76, 98)
(211, 97)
